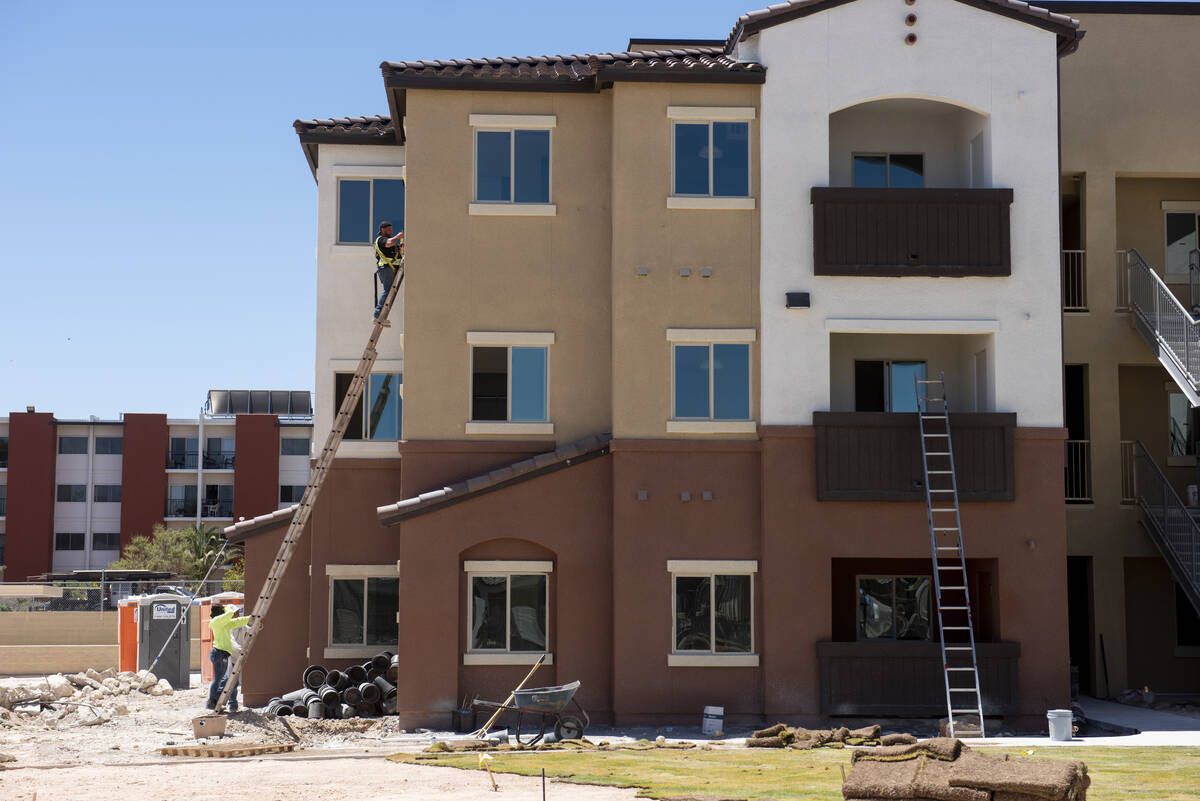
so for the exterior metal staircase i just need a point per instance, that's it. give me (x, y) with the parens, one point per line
(311, 492)
(1166, 324)
(952, 594)
(1169, 522)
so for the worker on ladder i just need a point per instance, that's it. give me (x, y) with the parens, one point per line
(389, 257)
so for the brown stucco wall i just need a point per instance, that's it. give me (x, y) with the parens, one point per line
(256, 477)
(646, 233)
(801, 537)
(485, 273)
(1155, 660)
(280, 649)
(29, 537)
(143, 475)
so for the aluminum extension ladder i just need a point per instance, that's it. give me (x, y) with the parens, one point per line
(311, 491)
(953, 598)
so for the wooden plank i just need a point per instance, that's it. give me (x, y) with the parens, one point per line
(227, 750)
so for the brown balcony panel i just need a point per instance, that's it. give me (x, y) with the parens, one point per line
(902, 679)
(876, 456)
(894, 232)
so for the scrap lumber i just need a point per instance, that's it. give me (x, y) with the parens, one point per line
(225, 750)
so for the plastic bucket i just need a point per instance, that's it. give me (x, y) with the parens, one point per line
(713, 721)
(1060, 724)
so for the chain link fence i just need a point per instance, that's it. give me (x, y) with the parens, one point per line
(96, 596)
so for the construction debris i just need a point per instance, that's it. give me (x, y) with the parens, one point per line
(226, 750)
(89, 698)
(581, 744)
(360, 691)
(783, 736)
(943, 769)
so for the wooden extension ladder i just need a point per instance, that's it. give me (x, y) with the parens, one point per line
(315, 481)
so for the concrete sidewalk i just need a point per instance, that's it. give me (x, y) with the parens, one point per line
(1154, 726)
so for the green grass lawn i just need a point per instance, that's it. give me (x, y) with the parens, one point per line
(1143, 774)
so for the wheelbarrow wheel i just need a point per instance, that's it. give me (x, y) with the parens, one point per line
(568, 727)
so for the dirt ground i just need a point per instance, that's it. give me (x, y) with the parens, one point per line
(61, 760)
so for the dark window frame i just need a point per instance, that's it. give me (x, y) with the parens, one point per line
(74, 540)
(380, 640)
(711, 577)
(356, 428)
(894, 579)
(64, 439)
(508, 576)
(887, 167)
(71, 491)
(106, 490)
(105, 446)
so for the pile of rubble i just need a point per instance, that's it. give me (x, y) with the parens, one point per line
(79, 699)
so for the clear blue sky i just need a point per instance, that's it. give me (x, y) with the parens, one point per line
(157, 217)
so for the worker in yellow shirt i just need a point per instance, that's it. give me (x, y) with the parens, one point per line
(222, 623)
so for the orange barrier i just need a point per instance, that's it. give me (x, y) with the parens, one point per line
(127, 634)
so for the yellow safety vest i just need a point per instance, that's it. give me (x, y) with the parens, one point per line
(383, 260)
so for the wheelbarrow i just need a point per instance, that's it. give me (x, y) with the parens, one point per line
(546, 704)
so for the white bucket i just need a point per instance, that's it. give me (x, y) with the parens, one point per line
(714, 720)
(1060, 721)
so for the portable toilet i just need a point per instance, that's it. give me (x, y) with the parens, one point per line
(163, 620)
(127, 633)
(203, 609)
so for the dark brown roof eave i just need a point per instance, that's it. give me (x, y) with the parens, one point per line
(488, 84)
(607, 77)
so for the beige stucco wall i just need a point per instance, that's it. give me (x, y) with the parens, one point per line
(1129, 119)
(506, 273)
(646, 233)
(67, 642)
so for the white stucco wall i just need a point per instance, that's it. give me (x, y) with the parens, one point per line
(345, 285)
(998, 67)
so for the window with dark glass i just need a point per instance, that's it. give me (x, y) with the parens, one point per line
(363, 611)
(218, 500)
(219, 453)
(712, 382)
(894, 608)
(68, 540)
(294, 446)
(72, 444)
(508, 612)
(383, 402)
(508, 383)
(109, 446)
(107, 493)
(291, 493)
(1183, 239)
(895, 170)
(887, 386)
(184, 453)
(3, 451)
(512, 166)
(712, 159)
(181, 500)
(3, 504)
(106, 541)
(363, 204)
(713, 613)
(72, 493)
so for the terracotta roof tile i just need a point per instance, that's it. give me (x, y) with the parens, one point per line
(349, 127)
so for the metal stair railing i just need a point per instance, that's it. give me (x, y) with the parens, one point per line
(1166, 325)
(1169, 522)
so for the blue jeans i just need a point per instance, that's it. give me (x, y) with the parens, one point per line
(385, 275)
(220, 663)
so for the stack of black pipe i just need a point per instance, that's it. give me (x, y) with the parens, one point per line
(360, 691)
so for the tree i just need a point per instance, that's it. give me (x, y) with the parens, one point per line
(186, 552)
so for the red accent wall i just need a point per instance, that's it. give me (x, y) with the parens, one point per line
(32, 449)
(143, 474)
(256, 473)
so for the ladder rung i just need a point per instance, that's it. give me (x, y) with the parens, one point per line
(941, 490)
(933, 417)
(951, 608)
(954, 588)
(964, 711)
(938, 453)
(956, 628)
(929, 434)
(959, 668)
(940, 472)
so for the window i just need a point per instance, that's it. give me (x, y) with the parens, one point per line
(181, 500)
(712, 159)
(508, 383)
(218, 500)
(1187, 621)
(294, 446)
(512, 166)
(184, 453)
(72, 444)
(290, 493)
(219, 453)
(363, 204)
(3, 503)
(886, 386)
(384, 401)
(3, 451)
(107, 493)
(713, 611)
(109, 446)
(106, 541)
(1183, 237)
(1181, 433)
(68, 541)
(895, 170)
(508, 606)
(711, 381)
(894, 608)
(72, 493)
(363, 602)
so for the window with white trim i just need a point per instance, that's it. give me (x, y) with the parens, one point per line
(1182, 225)
(363, 203)
(711, 158)
(712, 607)
(508, 607)
(363, 602)
(510, 383)
(512, 162)
(377, 416)
(710, 381)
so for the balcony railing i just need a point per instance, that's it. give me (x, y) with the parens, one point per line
(1074, 281)
(182, 460)
(1128, 472)
(1078, 466)
(876, 456)
(218, 460)
(217, 509)
(180, 508)
(893, 232)
(1170, 523)
(1166, 325)
(1122, 265)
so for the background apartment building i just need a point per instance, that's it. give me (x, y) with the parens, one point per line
(662, 318)
(74, 492)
